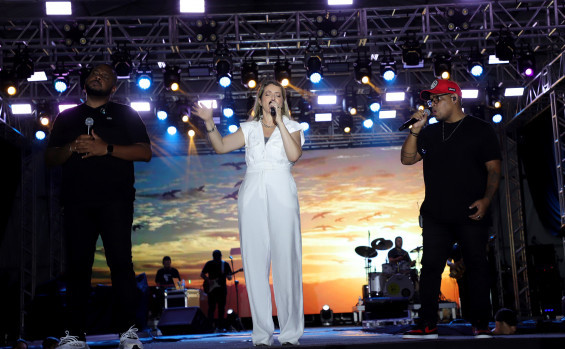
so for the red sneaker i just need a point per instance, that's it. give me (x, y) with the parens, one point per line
(482, 333)
(421, 331)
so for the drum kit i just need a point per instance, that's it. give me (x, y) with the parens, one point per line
(399, 280)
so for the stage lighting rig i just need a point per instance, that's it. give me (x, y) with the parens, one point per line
(326, 316)
(223, 65)
(283, 72)
(327, 24)
(205, 29)
(374, 102)
(144, 78)
(249, 74)
(75, 33)
(475, 65)
(228, 105)
(442, 66)
(457, 20)
(495, 97)
(411, 53)
(505, 46)
(313, 64)
(121, 61)
(305, 117)
(350, 103)
(171, 78)
(362, 69)
(527, 64)
(388, 70)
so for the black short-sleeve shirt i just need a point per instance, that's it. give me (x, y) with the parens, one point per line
(214, 271)
(455, 174)
(99, 178)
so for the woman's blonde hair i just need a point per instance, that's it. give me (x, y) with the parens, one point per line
(257, 111)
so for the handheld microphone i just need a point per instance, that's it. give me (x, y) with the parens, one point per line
(273, 112)
(412, 121)
(88, 122)
(231, 257)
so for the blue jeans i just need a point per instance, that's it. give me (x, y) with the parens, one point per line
(438, 240)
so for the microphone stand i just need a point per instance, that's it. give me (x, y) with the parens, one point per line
(236, 283)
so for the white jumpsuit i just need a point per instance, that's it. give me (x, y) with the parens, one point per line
(269, 229)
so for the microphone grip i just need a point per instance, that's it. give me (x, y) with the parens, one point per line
(412, 121)
(273, 112)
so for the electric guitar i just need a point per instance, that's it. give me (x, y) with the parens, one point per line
(211, 284)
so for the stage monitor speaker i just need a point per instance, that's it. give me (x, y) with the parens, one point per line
(188, 320)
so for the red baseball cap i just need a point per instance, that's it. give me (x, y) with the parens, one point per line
(439, 87)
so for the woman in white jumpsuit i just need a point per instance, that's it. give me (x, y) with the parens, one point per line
(269, 216)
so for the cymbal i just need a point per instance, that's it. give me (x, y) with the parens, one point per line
(366, 251)
(381, 244)
(417, 249)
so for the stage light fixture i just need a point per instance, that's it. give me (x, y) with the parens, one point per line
(475, 64)
(327, 24)
(121, 61)
(223, 66)
(513, 91)
(314, 68)
(8, 82)
(350, 103)
(228, 105)
(192, 6)
(305, 116)
(21, 109)
(442, 66)
(411, 53)
(497, 118)
(74, 33)
(249, 74)
(505, 47)
(58, 8)
(283, 72)
(171, 78)
(144, 77)
(388, 70)
(368, 123)
(40, 135)
(60, 77)
(345, 122)
(362, 70)
(23, 64)
(527, 64)
(205, 29)
(161, 109)
(326, 316)
(374, 102)
(457, 20)
(191, 133)
(172, 130)
(495, 97)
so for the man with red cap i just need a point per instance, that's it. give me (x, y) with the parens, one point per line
(461, 164)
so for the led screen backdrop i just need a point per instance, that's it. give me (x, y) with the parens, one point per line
(186, 207)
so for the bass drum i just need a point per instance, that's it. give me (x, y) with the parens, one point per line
(399, 285)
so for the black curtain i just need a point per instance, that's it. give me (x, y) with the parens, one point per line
(536, 151)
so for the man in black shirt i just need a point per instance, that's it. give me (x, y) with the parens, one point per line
(98, 192)
(461, 165)
(165, 275)
(215, 285)
(397, 255)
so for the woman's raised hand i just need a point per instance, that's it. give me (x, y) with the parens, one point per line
(202, 112)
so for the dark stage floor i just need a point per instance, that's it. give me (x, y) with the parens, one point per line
(344, 337)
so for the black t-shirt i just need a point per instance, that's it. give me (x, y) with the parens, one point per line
(214, 271)
(455, 174)
(99, 178)
(165, 276)
(394, 253)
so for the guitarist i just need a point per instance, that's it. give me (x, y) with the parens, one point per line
(217, 272)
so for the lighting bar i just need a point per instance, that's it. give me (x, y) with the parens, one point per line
(514, 91)
(322, 117)
(38, 76)
(63, 107)
(395, 96)
(209, 103)
(54, 8)
(329, 99)
(21, 109)
(141, 106)
(192, 6)
(340, 2)
(492, 59)
(387, 114)
(470, 93)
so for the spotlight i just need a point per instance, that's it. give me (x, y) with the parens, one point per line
(228, 105)
(388, 70)
(223, 66)
(495, 97)
(326, 316)
(191, 133)
(121, 61)
(171, 78)
(497, 118)
(74, 33)
(172, 130)
(350, 103)
(457, 20)
(60, 83)
(314, 68)
(442, 66)
(527, 64)
(249, 74)
(40, 135)
(505, 48)
(305, 117)
(283, 72)
(411, 53)
(368, 123)
(161, 110)
(144, 77)
(475, 65)
(362, 69)
(205, 29)
(232, 128)
(162, 114)
(327, 24)
(8, 82)
(346, 122)
(374, 102)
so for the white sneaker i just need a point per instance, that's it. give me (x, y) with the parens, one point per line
(71, 342)
(130, 340)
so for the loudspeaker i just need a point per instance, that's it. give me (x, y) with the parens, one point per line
(386, 307)
(188, 320)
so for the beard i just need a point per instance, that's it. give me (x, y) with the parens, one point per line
(97, 92)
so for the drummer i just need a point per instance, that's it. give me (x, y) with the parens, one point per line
(398, 257)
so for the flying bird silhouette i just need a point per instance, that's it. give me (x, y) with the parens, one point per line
(232, 195)
(236, 165)
(170, 194)
(339, 219)
(200, 188)
(366, 218)
(320, 215)
(238, 183)
(136, 226)
(324, 227)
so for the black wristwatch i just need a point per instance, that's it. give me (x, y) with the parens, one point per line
(110, 149)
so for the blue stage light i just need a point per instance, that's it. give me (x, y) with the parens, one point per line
(368, 123)
(232, 128)
(228, 112)
(375, 107)
(225, 81)
(144, 81)
(477, 70)
(172, 130)
(162, 115)
(305, 126)
(497, 118)
(40, 135)
(60, 84)
(316, 77)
